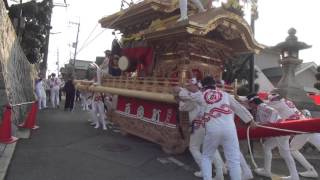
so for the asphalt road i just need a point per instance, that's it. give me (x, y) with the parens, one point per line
(66, 147)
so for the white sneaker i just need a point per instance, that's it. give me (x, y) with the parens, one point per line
(217, 178)
(198, 174)
(246, 176)
(97, 126)
(182, 19)
(310, 174)
(104, 128)
(262, 172)
(288, 178)
(225, 169)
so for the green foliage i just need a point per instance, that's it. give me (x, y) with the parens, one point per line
(36, 17)
(318, 68)
(238, 69)
(243, 91)
(318, 76)
(317, 85)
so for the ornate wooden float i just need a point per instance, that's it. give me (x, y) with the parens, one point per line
(165, 54)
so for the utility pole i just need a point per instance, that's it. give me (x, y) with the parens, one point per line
(254, 17)
(75, 49)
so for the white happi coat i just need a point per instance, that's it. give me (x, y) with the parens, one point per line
(266, 114)
(286, 109)
(194, 108)
(41, 95)
(221, 130)
(98, 111)
(55, 87)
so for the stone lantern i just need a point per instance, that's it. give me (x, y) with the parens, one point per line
(288, 86)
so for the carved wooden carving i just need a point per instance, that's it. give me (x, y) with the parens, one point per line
(170, 139)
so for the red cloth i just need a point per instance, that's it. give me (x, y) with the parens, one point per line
(263, 95)
(310, 125)
(142, 54)
(315, 98)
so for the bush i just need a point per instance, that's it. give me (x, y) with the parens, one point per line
(317, 85)
(318, 76)
(243, 91)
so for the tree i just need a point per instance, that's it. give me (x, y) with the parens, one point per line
(317, 84)
(238, 68)
(32, 24)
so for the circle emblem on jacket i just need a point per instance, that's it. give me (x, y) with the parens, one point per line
(212, 96)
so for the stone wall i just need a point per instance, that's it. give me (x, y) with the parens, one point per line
(17, 73)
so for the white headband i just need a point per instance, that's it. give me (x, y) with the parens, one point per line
(194, 81)
(254, 97)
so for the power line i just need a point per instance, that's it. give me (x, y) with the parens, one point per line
(86, 45)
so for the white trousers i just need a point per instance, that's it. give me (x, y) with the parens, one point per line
(227, 137)
(283, 145)
(42, 102)
(196, 141)
(84, 103)
(245, 168)
(98, 114)
(55, 97)
(298, 142)
(184, 8)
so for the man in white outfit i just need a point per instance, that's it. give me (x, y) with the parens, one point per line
(265, 114)
(298, 142)
(198, 131)
(288, 110)
(219, 108)
(98, 110)
(41, 93)
(184, 8)
(54, 87)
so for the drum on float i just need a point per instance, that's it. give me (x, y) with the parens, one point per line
(125, 64)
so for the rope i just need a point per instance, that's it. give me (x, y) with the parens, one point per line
(20, 104)
(266, 127)
(250, 150)
(283, 130)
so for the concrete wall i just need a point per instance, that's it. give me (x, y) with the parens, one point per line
(267, 59)
(307, 78)
(17, 73)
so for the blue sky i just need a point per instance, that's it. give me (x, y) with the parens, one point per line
(275, 18)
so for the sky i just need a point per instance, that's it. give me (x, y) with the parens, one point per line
(275, 18)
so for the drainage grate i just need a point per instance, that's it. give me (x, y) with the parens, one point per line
(115, 147)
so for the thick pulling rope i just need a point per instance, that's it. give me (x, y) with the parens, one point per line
(267, 127)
